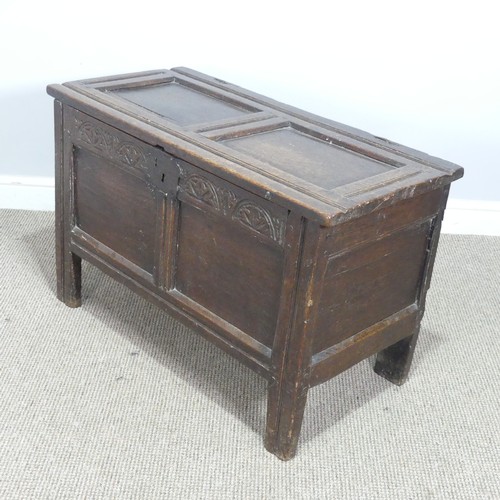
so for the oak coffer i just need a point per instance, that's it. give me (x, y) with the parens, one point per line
(296, 244)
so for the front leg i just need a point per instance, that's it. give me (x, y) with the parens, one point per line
(291, 357)
(69, 278)
(68, 265)
(285, 412)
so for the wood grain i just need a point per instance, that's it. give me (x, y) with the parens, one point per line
(298, 245)
(116, 208)
(363, 286)
(226, 269)
(68, 264)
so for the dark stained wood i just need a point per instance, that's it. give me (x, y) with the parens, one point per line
(382, 222)
(370, 283)
(334, 360)
(288, 392)
(181, 104)
(411, 174)
(255, 359)
(393, 363)
(231, 272)
(166, 252)
(265, 220)
(308, 158)
(281, 108)
(165, 224)
(293, 247)
(68, 264)
(218, 128)
(296, 244)
(84, 240)
(116, 208)
(243, 341)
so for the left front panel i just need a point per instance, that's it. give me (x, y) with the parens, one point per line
(114, 204)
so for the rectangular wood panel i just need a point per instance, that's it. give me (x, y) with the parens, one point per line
(181, 104)
(227, 269)
(370, 283)
(115, 207)
(316, 161)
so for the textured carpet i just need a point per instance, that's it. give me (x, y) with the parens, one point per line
(118, 400)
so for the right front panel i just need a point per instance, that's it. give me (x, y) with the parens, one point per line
(229, 253)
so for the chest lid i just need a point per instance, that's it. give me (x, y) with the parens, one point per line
(326, 170)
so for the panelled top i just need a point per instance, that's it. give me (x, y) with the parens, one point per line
(323, 169)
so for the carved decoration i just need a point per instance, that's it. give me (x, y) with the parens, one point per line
(110, 145)
(259, 219)
(202, 190)
(243, 211)
(227, 200)
(207, 192)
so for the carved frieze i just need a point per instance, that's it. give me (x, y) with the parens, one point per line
(225, 201)
(109, 145)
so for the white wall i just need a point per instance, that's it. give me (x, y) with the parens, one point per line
(425, 73)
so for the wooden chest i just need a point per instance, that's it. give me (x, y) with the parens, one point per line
(294, 243)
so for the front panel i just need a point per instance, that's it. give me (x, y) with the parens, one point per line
(115, 207)
(230, 253)
(113, 200)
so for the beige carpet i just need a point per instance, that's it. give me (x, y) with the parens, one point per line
(117, 400)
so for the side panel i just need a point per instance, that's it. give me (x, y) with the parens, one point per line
(370, 283)
(375, 268)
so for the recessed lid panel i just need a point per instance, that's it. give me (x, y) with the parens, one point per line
(180, 104)
(316, 161)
